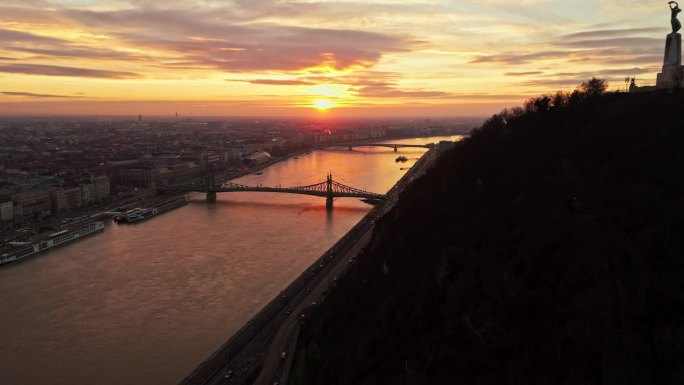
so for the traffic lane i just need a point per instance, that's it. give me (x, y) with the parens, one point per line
(273, 370)
(238, 368)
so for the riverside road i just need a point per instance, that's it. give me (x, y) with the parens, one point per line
(254, 355)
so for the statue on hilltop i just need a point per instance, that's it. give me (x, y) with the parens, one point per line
(676, 25)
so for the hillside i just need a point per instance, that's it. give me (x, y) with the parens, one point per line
(547, 248)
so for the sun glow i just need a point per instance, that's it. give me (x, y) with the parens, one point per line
(323, 104)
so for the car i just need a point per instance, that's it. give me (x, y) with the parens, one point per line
(283, 355)
(228, 375)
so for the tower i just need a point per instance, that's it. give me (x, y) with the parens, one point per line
(329, 192)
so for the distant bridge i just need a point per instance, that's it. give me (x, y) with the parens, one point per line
(394, 146)
(328, 189)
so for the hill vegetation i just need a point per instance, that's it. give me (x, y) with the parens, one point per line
(545, 248)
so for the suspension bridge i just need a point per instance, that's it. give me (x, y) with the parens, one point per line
(395, 146)
(329, 189)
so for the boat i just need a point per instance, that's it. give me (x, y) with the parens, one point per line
(140, 214)
(54, 240)
(260, 172)
(401, 159)
(371, 201)
(125, 217)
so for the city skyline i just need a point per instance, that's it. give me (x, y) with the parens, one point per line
(315, 58)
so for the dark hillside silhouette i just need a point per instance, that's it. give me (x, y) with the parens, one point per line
(547, 248)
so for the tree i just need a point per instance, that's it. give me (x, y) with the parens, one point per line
(594, 87)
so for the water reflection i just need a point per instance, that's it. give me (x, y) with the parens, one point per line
(144, 304)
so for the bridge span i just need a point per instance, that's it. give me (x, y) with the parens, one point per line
(329, 189)
(394, 146)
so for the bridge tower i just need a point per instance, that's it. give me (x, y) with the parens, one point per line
(329, 193)
(211, 189)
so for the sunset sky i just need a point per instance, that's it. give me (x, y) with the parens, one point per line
(281, 57)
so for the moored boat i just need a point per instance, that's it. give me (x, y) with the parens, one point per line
(141, 214)
(54, 240)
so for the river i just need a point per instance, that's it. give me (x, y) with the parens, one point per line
(144, 304)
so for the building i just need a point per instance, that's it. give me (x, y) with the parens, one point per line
(34, 205)
(58, 200)
(136, 177)
(206, 159)
(6, 213)
(87, 193)
(74, 197)
(101, 188)
(256, 159)
(160, 176)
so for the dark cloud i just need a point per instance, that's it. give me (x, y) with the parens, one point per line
(17, 41)
(51, 70)
(11, 36)
(519, 58)
(73, 51)
(277, 82)
(523, 73)
(200, 39)
(385, 89)
(554, 83)
(624, 42)
(28, 12)
(365, 83)
(623, 47)
(32, 95)
(603, 33)
(632, 60)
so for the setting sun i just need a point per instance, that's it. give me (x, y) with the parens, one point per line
(323, 104)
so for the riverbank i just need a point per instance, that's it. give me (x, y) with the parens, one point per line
(242, 356)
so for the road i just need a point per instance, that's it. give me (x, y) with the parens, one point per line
(275, 368)
(283, 341)
(254, 354)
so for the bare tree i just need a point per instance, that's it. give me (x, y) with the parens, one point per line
(594, 87)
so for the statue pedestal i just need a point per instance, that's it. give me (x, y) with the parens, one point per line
(671, 77)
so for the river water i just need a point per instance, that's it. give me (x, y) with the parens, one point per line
(144, 304)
